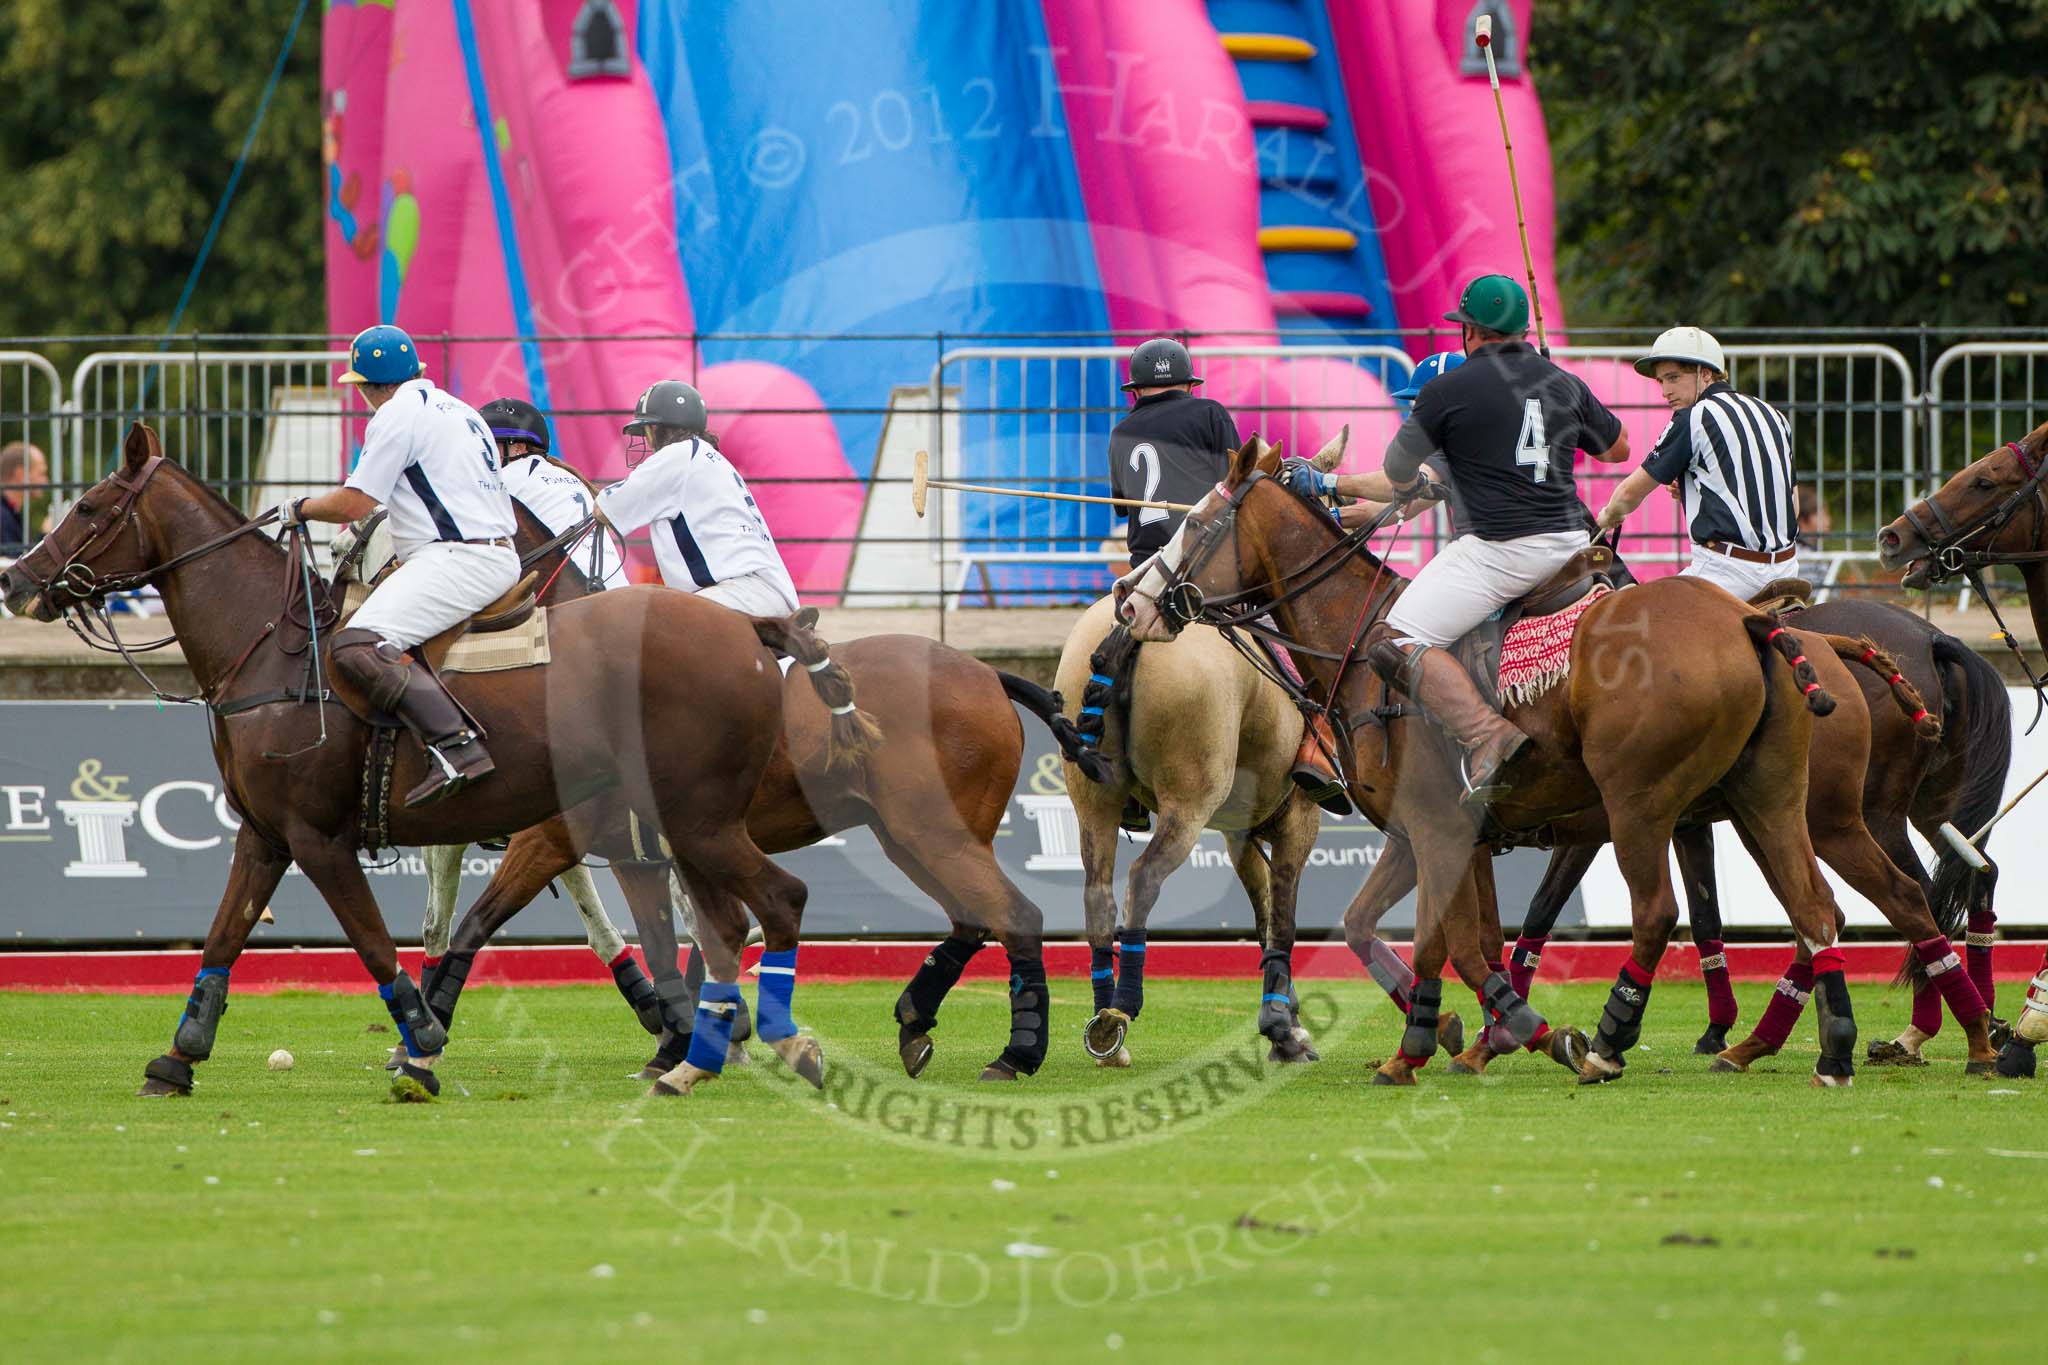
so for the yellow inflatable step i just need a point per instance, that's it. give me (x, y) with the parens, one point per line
(1306, 239)
(1267, 47)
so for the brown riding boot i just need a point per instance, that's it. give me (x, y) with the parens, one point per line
(1315, 772)
(394, 684)
(1490, 740)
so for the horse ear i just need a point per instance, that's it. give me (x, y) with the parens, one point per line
(1331, 455)
(140, 446)
(1246, 459)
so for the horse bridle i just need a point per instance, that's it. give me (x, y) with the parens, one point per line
(1945, 549)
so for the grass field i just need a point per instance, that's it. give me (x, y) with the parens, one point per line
(1199, 1206)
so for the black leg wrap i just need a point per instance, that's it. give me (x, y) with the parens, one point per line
(424, 1075)
(917, 1009)
(1424, 1008)
(1030, 1015)
(2016, 1060)
(1517, 1019)
(1837, 1025)
(639, 992)
(693, 973)
(426, 1034)
(444, 984)
(742, 1022)
(203, 1009)
(1621, 1022)
(1102, 976)
(170, 1071)
(1130, 973)
(678, 1004)
(670, 1051)
(1277, 1004)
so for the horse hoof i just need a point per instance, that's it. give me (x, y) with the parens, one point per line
(803, 1056)
(1598, 1070)
(1724, 1062)
(680, 1080)
(1822, 1082)
(1450, 1033)
(916, 1052)
(2016, 1060)
(1712, 1043)
(415, 1085)
(166, 1075)
(1116, 1060)
(1104, 1036)
(736, 1054)
(1983, 1067)
(1892, 1053)
(1454, 1067)
(1569, 1048)
(396, 1059)
(1394, 1071)
(2001, 1030)
(998, 1070)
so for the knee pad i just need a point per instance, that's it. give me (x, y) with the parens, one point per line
(1393, 659)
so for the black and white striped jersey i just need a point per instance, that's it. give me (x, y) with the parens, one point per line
(1734, 455)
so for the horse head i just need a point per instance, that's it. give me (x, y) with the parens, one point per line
(102, 545)
(1994, 507)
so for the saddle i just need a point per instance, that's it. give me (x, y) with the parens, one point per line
(515, 609)
(1592, 570)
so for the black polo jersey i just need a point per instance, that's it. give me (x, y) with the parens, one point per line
(1173, 447)
(1508, 422)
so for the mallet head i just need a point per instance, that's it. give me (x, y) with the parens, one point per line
(1483, 31)
(920, 474)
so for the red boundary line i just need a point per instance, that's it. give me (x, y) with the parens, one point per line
(336, 969)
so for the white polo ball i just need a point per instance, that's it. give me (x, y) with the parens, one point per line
(280, 1060)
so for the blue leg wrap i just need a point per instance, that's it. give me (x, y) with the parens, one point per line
(388, 993)
(1130, 972)
(717, 1004)
(778, 984)
(203, 1009)
(1102, 975)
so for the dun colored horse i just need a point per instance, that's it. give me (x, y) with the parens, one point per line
(1994, 512)
(1678, 697)
(670, 701)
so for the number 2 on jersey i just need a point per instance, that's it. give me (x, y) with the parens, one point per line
(1145, 460)
(1532, 447)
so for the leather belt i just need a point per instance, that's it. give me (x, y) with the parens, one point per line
(1749, 556)
(505, 541)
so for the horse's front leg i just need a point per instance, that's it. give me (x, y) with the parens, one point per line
(252, 880)
(1279, 1007)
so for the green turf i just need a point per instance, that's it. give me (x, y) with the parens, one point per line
(552, 1213)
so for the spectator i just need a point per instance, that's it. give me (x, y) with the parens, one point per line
(23, 468)
(1814, 525)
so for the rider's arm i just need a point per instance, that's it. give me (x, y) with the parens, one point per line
(1626, 499)
(387, 450)
(1666, 464)
(1603, 426)
(1406, 452)
(337, 504)
(655, 489)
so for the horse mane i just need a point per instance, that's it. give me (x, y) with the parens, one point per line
(1360, 550)
(209, 493)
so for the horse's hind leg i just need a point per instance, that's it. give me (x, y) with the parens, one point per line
(532, 859)
(444, 878)
(645, 885)
(1104, 1036)
(252, 880)
(1293, 836)
(1642, 843)
(1695, 847)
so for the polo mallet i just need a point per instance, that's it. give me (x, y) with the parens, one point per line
(1483, 35)
(1965, 845)
(920, 480)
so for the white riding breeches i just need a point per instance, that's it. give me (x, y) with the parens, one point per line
(1738, 576)
(1470, 579)
(753, 593)
(438, 586)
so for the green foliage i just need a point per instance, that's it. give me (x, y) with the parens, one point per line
(1792, 163)
(120, 128)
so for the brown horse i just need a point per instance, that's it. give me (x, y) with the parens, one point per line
(1994, 512)
(1919, 770)
(1728, 725)
(684, 729)
(933, 796)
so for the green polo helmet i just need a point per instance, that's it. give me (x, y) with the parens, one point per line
(1494, 302)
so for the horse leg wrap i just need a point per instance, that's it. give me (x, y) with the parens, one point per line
(1102, 975)
(1512, 1014)
(1926, 1008)
(1945, 970)
(1621, 1022)
(1837, 1019)
(2033, 1021)
(1983, 932)
(1523, 961)
(1787, 1003)
(1130, 972)
(1030, 1015)
(917, 1009)
(203, 1009)
(442, 984)
(1418, 1040)
(1721, 1009)
(713, 1034)
(1390, 973)
(173, 1072)
(742, 1022)
(422, 1033)
(778, 988)
(638, 990)
(678, 999)
(1277, 1004)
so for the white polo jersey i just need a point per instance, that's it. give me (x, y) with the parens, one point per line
(560, 500)
(705, 526)
(428, 457)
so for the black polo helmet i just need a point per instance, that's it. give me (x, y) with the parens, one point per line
(515, 419)
(669, 403)
(1160, 363)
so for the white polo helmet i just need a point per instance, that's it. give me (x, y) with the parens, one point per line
(1687, 346)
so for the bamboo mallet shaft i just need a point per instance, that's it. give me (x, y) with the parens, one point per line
(921, 480)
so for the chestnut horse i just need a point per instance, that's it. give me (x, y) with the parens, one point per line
(934, 797)
(1674, 699)
(1994, 512)
(684, 729)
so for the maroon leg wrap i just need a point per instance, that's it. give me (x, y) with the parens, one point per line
(1522, 963)
(1926, 1008)
(1942, 964)
(1721, 1009)
(1788, 1002)
(1982, 925)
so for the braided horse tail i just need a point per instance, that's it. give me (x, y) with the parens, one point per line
(1912, 706)
(854, 734)
(1769, 631)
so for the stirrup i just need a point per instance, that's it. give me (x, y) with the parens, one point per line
(1477, 796)
(1321, 789)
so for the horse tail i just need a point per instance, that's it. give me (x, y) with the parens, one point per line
(1769, 631)
(1865, 651)
(854, 734)
(1050, 708)
(1983, 746)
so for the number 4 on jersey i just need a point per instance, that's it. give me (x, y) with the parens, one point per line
(1532, 447)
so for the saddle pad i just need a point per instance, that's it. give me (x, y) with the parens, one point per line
(522, 646)
(1537, 650)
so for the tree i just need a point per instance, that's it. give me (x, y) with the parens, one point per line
(121, 125)
(1794, 163)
